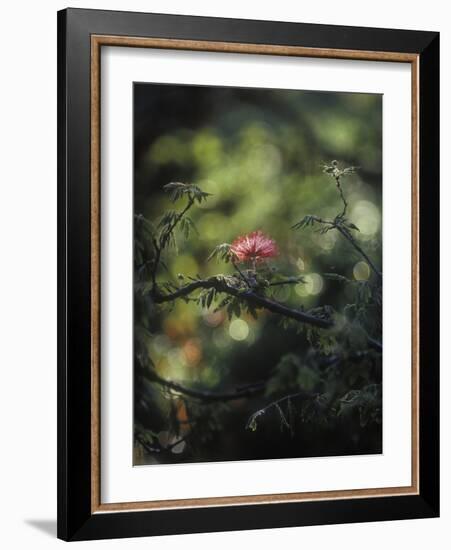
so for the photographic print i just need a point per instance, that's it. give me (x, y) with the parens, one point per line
(232, 207)
(257, 273)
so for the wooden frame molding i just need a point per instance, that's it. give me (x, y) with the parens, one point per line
(97, 41)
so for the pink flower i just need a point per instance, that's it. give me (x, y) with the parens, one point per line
(254, 247)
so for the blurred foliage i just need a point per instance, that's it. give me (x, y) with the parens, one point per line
(260, 160)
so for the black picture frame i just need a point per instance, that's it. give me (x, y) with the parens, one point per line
(76, 520)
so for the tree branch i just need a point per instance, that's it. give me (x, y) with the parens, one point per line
(207, 395)
(256, 300)
(247, 295)
(242, 392)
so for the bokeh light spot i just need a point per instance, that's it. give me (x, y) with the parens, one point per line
(281, 293)
(176, 358)
(220, 338)
(327, 241)
(210, 376)
(367, 217)
(239, 330)
(300, 264)
(214, 318)
(317, 283)
(160, 344)
(361, 271)
(312, 285)
(192, 351)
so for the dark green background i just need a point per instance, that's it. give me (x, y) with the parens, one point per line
(260, 153)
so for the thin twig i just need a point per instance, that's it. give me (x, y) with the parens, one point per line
(375, 344)
(359, 249)
(177, 219)
(337, 224)
(146, 446)
(159, 246)
(287, 282)
(172, 445)
(305, 394)
(340, 190)
(276, 404)
(155, 263)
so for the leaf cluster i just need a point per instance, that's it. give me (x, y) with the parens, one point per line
(336, 172)
(177, 190)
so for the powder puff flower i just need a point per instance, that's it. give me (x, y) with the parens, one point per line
(254, 247)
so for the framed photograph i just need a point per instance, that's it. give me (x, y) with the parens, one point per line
(248, 274)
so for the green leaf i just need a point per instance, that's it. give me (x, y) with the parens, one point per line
(210, 296)
(352, 226)
(222, 252)
(177, 190)
(305, 222)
